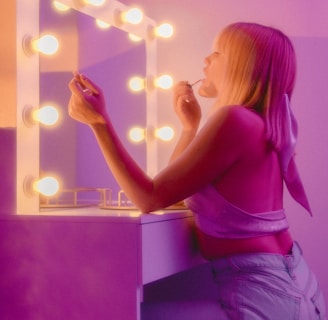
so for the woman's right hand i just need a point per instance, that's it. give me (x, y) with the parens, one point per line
(186, 106)
(87, 102)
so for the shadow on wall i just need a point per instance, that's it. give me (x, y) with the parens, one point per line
(8, 170)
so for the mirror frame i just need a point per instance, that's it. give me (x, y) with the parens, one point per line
(28, 151)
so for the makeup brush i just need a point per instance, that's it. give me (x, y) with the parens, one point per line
(191, 85)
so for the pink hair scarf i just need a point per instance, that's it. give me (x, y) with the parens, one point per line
(287, 158)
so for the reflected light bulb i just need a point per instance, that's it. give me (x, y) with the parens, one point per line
(164, 133)
(96, 3)
(165, 30)
(133, 16)
(47, 186)
(47, 44)
(164, 82)
(137, 84)
(136, 134)
(47, 115)
(134, 38)
(102, 24)
(60, 6)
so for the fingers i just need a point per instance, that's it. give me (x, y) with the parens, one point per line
(86, 86)
(75, 87)
(89, 84)
(182, 91)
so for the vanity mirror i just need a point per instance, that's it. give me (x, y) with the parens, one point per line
(68, 151)
(110, 58)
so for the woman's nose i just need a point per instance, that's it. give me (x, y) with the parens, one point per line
(207, 59)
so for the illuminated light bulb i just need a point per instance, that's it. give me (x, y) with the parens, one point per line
(133, 16)
(134, 38)
(47, 186)
(60, 6)
(102, 24)
(96, 3)
(137, 134)
(164, 82)
(165, 30)
(164, 133)
(137, 84)
(47, 44)
(47, 115)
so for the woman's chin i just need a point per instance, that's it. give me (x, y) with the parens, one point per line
(207, 90)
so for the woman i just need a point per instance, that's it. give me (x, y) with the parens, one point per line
(230, 172)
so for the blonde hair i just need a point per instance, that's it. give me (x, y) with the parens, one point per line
(261, 70)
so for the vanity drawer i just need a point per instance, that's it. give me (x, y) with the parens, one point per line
(168, 247)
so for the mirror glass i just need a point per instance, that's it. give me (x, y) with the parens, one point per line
(108, 57)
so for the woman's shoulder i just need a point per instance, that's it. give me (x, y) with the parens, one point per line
(239, 118)
(232, 131)
(239, 112)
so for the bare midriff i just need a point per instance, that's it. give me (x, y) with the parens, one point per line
(213, 248)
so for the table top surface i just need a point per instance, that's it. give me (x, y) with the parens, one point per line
(98, 214)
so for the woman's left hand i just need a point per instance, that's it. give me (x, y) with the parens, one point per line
(186, 106)
(87, 103)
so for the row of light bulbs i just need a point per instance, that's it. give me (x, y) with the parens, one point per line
(132, 16)
(137, 134)
(48, 115)
(137, 83)
(49, 44)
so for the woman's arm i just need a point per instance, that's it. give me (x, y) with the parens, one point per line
(186, 137)
(213, 150)
(87, 105)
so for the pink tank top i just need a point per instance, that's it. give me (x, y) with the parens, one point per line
(217, 217)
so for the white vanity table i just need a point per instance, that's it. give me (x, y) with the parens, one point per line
(89, 263)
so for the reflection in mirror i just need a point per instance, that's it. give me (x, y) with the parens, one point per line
(109, 58)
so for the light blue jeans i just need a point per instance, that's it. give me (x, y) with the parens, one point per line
(265, 286)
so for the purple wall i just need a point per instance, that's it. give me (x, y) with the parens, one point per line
(310, 105)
